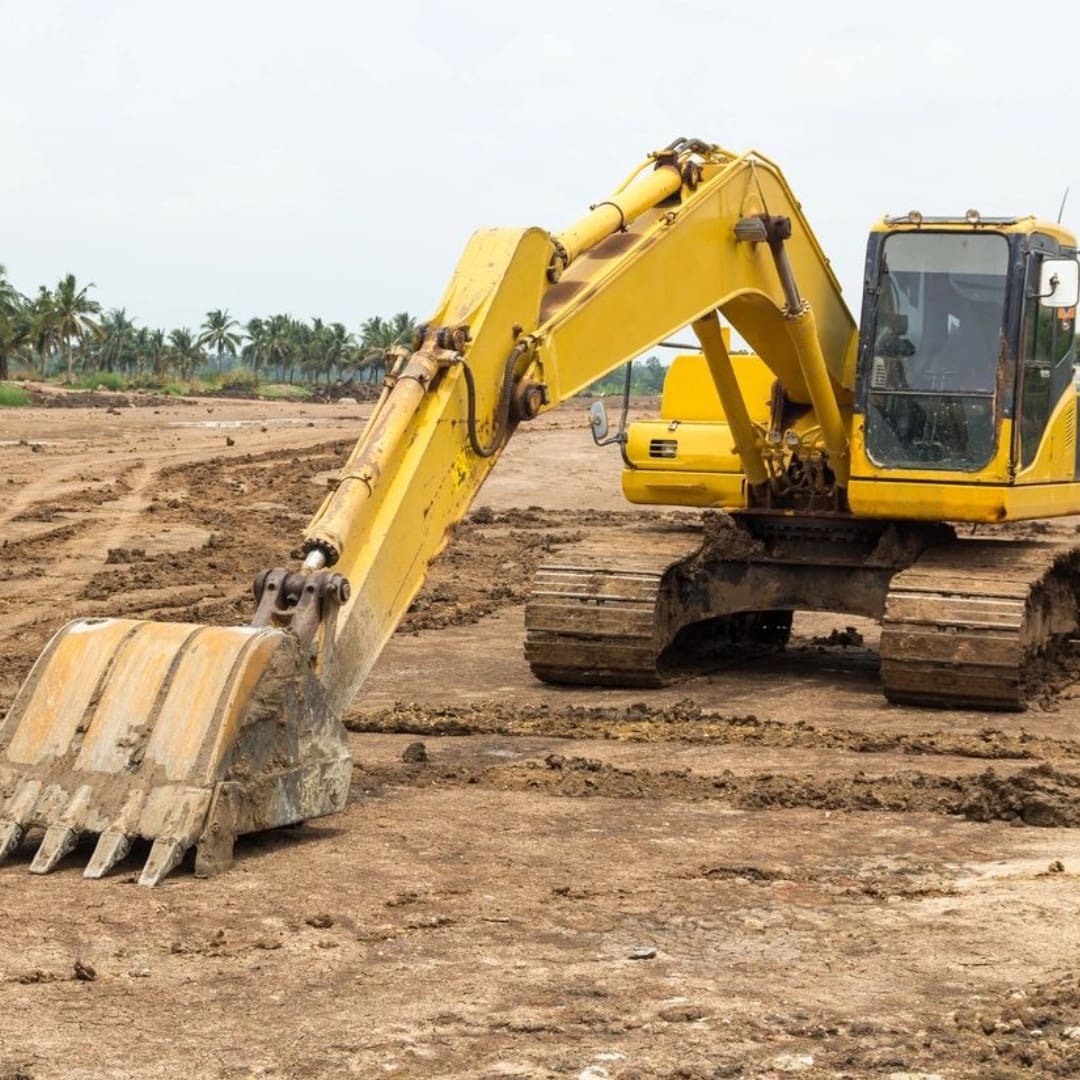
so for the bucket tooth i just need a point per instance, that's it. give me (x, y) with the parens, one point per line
(111, 848)
(165, 856)
(58, 841)
(11, 834)
(20, 807)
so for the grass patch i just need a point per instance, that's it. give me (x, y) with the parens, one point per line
(13, 396)
(92, 380)
(284, 392)
(239, 379)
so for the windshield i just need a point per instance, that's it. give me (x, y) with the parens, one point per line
(936, 341)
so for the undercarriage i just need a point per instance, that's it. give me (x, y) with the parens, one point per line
(964, 620)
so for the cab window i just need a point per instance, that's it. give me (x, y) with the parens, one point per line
(1048, 352)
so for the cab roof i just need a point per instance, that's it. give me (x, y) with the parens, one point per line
(974, 222)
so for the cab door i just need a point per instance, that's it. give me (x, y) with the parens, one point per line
(1045, 446)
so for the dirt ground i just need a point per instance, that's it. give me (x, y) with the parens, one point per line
(759, 871)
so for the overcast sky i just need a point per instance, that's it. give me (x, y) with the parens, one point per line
(329, 158)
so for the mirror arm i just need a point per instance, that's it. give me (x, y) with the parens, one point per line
(620, 437)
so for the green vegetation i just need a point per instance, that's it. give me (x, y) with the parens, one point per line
(98, 380)
(647, 378)
(284, 392)
(64, 332)
(13, 395)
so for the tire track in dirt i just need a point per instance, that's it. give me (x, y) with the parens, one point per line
(41, 490)
(82, 541)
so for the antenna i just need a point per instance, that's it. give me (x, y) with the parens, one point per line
(1061, 210)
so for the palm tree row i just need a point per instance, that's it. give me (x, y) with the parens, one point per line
(53, 323)
(65, 327)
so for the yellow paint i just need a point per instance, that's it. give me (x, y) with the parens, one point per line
(700, 447)
(997, 471)
(726, 384)
(135, 680)
(1055, 458)
(713, 489)
(66, 683)
(192, 716)
(973, 502)
(1023, 226)
(690, 393)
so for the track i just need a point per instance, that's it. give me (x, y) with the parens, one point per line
(963, 625)
(967, 623)
(596, 615)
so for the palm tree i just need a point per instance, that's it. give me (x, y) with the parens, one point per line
(305, 343)
(324, 348)
(280, 343)
(186, 351)
(340, 349)
(11, 300)
(13, 332)
(217, 334)
(157, 352)
(44, 332)
(72, 310)
(254, 351)
(14, 321)
(118, 340)
(379, 336)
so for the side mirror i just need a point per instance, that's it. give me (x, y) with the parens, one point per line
(1059, 283)
(598, 421)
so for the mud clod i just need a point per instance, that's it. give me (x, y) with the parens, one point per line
(125, 555)
(848, 638)
(415, 754)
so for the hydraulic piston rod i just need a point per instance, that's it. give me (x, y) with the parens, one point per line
(613, 215)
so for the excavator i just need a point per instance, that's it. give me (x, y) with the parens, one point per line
(831, 465)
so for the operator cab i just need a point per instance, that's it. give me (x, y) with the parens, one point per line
(968, 336)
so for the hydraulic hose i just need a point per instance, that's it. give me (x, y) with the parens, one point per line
(502, 412)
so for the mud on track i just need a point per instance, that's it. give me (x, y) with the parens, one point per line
(761, 871)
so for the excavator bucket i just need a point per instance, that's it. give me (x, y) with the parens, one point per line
(182, 735)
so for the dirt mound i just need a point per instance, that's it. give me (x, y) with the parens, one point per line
(1034, 1031)
(687, 721)
(1039, 796)
(254, 508)
(358, 391)
(100, 399)
(491, 559)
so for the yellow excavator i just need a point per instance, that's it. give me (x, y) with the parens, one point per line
(840, 457)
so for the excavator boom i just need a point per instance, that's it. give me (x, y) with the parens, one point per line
(188, 736)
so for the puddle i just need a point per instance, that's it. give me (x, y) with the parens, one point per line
(277, 421)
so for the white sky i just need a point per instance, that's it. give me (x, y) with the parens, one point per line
(329, 158)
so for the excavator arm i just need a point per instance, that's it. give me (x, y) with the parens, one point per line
(189, 736)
